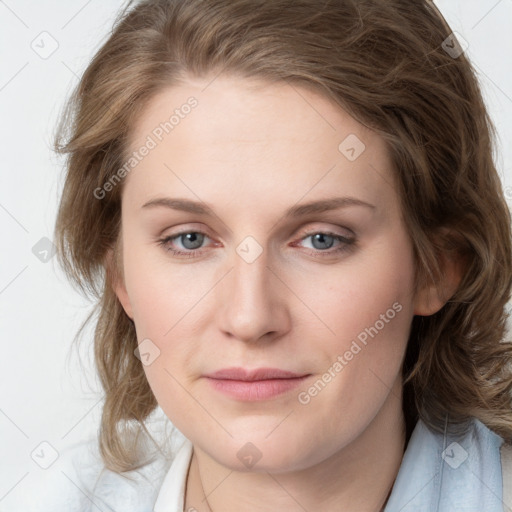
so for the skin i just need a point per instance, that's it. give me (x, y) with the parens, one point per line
(251, 150)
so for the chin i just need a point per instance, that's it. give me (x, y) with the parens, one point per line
(263, 453)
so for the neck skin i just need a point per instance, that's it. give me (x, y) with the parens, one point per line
(358, 477)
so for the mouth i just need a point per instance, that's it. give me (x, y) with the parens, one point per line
(255, 385)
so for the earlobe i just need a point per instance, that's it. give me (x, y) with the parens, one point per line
(428, 301)
(431, 298)
(115, 278)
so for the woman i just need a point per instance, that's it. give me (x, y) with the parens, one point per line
(291, 218)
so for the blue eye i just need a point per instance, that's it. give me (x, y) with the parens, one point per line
(193, 240)
(321, 239)
(325, 240)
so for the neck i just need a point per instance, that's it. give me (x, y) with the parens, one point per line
(359, 476)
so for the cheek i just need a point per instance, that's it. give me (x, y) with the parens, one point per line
(370, 314)
(369, 309)
(163, 312)
(159, 295)
(161, 321)
(365, 299)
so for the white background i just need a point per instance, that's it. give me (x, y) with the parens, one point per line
(45, 394)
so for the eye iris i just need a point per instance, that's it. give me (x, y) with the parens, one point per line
(194, 238)
(321, 237)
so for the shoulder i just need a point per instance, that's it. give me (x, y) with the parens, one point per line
(79, 482)
(458, 469)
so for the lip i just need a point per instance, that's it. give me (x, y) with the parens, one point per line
(254, 385)
(238, 373)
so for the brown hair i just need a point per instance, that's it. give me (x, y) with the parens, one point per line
(385, 63)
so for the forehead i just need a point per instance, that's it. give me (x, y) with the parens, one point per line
(244, 110)
(258, 138)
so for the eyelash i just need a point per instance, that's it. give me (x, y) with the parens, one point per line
(348, 244)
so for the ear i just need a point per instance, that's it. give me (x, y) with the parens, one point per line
(431, 298)
(115, 277)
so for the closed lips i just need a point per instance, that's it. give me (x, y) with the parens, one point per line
(242, 374)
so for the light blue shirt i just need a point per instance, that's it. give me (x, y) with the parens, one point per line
(439, 473)
(446, 473)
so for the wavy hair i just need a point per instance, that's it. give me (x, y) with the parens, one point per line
(388, 64)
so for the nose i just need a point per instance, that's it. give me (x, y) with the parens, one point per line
(254, 304)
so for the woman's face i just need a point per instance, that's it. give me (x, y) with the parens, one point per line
(324, 292)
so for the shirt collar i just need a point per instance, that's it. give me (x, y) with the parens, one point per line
(172, 493)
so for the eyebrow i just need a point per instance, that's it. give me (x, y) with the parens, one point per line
(202, 208)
